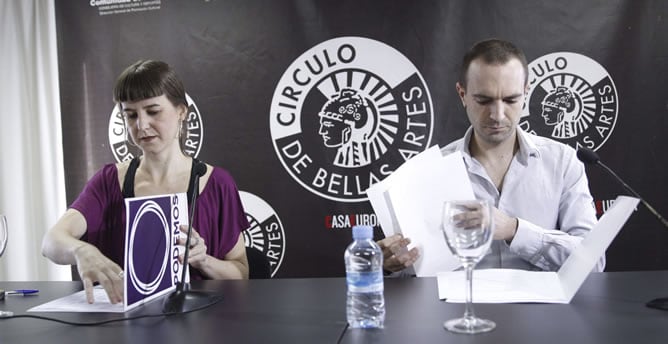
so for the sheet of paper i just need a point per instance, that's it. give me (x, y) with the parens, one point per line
(77, 303)
(377, 193)
(508, 285)
(417, 198)
(502, 286)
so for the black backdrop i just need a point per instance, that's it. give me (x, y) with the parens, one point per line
(237, 57)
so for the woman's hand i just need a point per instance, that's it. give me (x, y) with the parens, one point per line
(94, 267)
(197, 256)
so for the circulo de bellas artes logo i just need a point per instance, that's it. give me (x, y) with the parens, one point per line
(266, 233)
(123, 149)
(571, 99)
(347, 113)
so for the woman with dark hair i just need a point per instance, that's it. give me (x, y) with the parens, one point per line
(91, 233)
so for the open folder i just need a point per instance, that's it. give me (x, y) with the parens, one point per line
(510, 285)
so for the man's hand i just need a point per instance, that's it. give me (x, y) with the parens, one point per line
(505, 226)
(396, 255)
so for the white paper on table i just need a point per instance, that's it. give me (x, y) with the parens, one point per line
(417, 197)
(510, 285)
(77, 303)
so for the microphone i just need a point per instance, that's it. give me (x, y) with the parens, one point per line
(182, 299)
(590, 157)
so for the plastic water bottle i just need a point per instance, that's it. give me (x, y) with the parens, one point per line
(364, 277)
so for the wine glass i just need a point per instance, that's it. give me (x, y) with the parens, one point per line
(3, 234)
(3, 244)
(467, 228)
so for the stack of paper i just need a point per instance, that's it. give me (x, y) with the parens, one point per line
(410, 201)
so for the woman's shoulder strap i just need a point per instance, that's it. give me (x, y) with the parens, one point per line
(129, 180)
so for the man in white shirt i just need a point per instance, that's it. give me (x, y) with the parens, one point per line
(543, 207)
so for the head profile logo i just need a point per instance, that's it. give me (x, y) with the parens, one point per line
(347, 113)
(266, 232)
(559, 110)
(572, 99)
(349, 122)
(120, 142)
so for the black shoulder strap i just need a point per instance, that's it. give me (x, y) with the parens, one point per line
(129, 180)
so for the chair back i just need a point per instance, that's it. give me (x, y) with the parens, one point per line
(258, 264)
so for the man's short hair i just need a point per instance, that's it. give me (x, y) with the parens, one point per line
(492, 52)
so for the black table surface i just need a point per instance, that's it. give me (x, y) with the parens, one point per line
(609, 308)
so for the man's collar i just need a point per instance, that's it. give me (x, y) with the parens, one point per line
(464, 146)
(527, 146)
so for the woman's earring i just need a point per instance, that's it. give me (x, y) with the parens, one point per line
(178, 132)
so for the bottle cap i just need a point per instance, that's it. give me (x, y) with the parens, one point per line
(362, 232)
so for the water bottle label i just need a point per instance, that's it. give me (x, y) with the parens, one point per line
(365, 282)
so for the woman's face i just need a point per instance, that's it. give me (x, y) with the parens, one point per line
(153, 123)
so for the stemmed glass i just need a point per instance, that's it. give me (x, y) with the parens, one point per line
(3, 244)
(3, 234)
(467, 228)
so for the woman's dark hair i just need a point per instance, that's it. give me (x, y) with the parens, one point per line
(492, 52)
(147, 79)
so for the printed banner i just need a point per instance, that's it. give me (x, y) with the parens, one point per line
(308, 103)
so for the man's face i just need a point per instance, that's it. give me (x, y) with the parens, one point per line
(493, 99)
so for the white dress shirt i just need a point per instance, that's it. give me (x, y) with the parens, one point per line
(546, 189)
